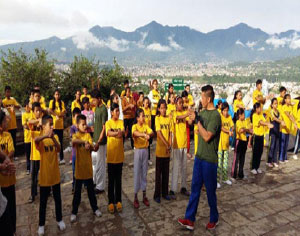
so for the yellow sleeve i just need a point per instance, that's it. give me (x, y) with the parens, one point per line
(57, 139)
(90, 139)
(10, 144)
(157, 123)
(74, 137)
(149, 130)
(16, 103)
(63, 106)
(133, 128)
(122, 126)
(24, 119)
(107, 127)
(50, 104)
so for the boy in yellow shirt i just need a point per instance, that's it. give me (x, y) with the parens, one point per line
(49, 178)
(8, 180)
(115, 131)
(83, 167)
(26, 116)
(147, 113)
(141, 133)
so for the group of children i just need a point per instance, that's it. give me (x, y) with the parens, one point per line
(98, 131)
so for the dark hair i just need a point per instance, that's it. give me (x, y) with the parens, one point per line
(187, 85)
(85, 86)
(282, 89)
(112, 97)
(2, 116)
(96, 93)
(54, 102)
(200, 106)
(160, 102)
(235, 94)
(255, 106)
(224, 106)
(113, 106)
(155, 80)
(285, 97)
(36, 91)
(126, 89)
(7, 87)
(258, 82)
(85, 100)
(35, 104)
(80, 117)
(273, 100)
(26, 102)
(146, 98)
(76, 111)
(209, 91)
(219, 103)
(177, 99)
(170, 86)
(184, 94)
(45, 119)
(141, 93)
(138, 113)
(240, 112)
(126, 81)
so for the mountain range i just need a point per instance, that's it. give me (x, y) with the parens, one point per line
(155, 43)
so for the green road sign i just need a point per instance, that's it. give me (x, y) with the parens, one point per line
(178, 84)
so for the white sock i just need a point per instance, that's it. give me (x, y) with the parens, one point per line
(61, 225)
(41, 230)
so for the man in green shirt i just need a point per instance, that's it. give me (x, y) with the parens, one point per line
(100, 138)
(206, 161)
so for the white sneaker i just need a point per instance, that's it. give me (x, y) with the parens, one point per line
(61, 225)
(150, 163)
(218, 185)
(275, 165)
(98, 213)
(41, 230)
(62, 162)
(286, 161)
(73, 218)
(227, 182)
(295, 157)
(254, 172)
(259, 171)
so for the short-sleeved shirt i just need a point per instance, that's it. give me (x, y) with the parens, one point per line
(191, 99)
(298, 118)
(83, 96)
(236, 103)
(90, 118)
(115, 148)
(34, 153)
(74, 105)
(164, 125)
(147, 116)
(26, 116)
(58, 123)
(279, 100)
(49, 171)
(256, 93)
(211, 121)
(155, 97)
(288, 123)
(241, 124)
(227, 123)
(83, 164)
(258, 129)
(171, 109)
(180, 132)
(141, 142)
(12, 124)
(6, 146)
(100, 119)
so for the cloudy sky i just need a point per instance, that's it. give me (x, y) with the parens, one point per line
(26, 20)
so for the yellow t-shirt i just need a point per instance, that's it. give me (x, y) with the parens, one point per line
(258, 129)
(256, 93)
(83, 164)
(241, 124)
(58, 123)
(42, 102)
(237, 102)
(279, 100)
(74, 105)
(288, 123)
(12, 124)
(298, 119)
(171, 108)
(180, 133)
(26, 116)
(191, 99)
(115, 148)
(164, 125)
(123, 94)
(227, 123)
(6, 146)
(196, 138)
(34, 154)
(49, 171)
(147, 116)
(156, 97)
(140, 142)
(83, 96)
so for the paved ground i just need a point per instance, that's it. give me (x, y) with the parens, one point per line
(268, 204)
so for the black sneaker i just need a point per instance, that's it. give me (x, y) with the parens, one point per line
(157, 199)
(185, 192)
(167, 197)
(172, 195)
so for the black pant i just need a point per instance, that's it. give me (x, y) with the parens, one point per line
(77, 194)
(239, 159)
(35, 167)
(60, 134)
(10, 194)
(13, 133)
(258, 148)
(128, 124)
(153, 123)
(162, 176)
(274, 148)
(27, 153)
(114, 182)
(6, 224)
(44, 193)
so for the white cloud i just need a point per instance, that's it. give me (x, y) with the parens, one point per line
(140, 43)
(238, 42)
(63, 49)
(158, 47)
(173, 44)
(261, 49)
(251, 44)
(293, 42)
(276, 42)
(86, 40)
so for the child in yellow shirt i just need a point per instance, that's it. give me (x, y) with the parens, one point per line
(8, 181)
(83, 142)
(226, 132)
(171, 106)
(49, 178)
(297, 141)
(163, 125)
(115, 131)
(141, 133)
(147, 112)
(26, 116)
